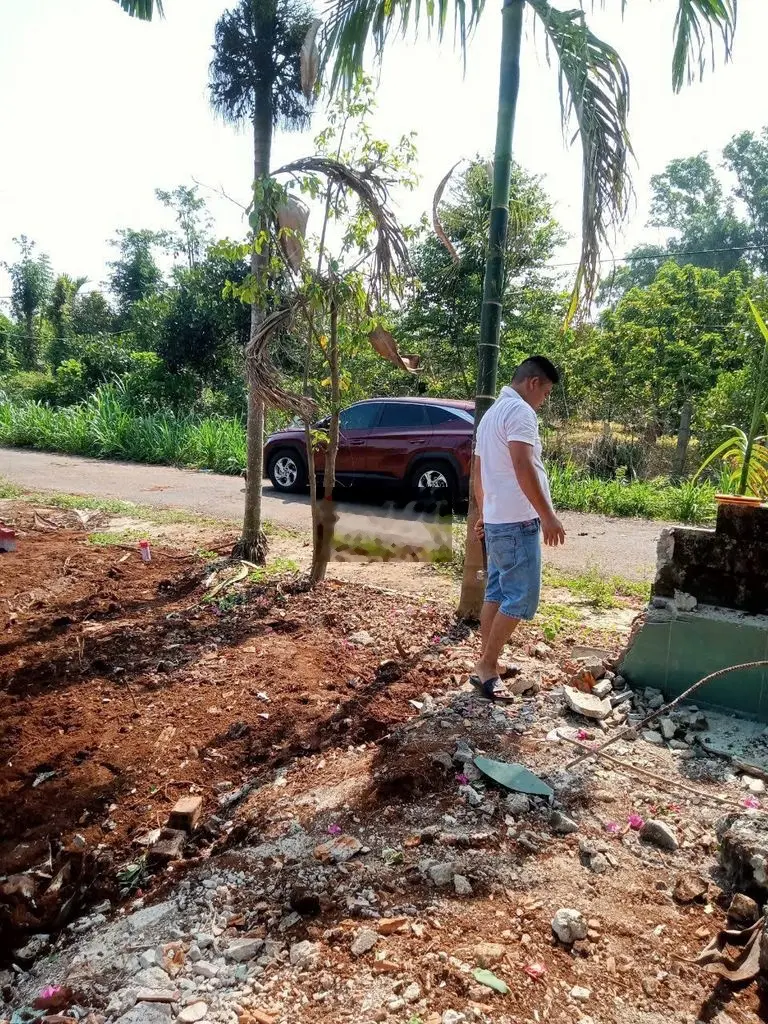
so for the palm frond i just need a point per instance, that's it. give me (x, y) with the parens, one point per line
(436, 222)
(142, 9)
(594, 89)
(390, 257)
(696, 25)
(263, 376)
(350, 24)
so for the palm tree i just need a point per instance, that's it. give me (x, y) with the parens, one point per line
(255, 78)
(144, 9)
(594, 88)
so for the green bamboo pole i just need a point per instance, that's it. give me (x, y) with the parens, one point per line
(493, 287)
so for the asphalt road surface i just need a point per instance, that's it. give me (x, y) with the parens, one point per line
(625, 547)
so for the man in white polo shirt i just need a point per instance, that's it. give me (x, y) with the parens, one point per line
(515, 510)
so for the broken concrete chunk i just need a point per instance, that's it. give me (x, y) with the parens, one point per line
(303, 953)
(517, 804)
(668, 728)
(157, 995)
(569, 926)
(170, 846)
(362, 638)
(242, 950)
(744, 849)
(651, 736)
(35, 947)
(193, 1013)
(586, 704)
(338, 850)
(562, 824)
(660, 834)
(685, 602)
(602, 689)
(690, 887)
(146, 1013)
(463, 753)
(488, 953)
(186, 813)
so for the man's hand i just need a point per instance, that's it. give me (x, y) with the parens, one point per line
(552, 530)
(479, 528)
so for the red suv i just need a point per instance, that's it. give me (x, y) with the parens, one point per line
(422, 443)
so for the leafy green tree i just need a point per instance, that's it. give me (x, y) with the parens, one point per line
(135, 274)
(60, 308)
(92, 314)
(194, 223)
(746, 155)
(441, 315)
(255, 78)
(6, 335)
(31, 279)
(669, 343)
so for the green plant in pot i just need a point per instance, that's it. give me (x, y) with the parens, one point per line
(745, 456)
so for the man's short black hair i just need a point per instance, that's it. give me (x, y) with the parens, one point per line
(536, 366)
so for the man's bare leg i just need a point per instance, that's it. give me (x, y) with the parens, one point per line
(495, 631)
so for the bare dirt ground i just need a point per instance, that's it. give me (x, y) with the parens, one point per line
(624, 547)
(303, 719)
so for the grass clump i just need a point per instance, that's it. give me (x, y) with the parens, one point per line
(554, 618)
(598, 590)
(118, 537)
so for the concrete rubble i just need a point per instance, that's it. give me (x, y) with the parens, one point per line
(365, 877)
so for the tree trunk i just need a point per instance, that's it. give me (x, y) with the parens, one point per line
(253, 542)
(29, 345)
(683, 440)
(490, 323)
(327, 513)
(757, 416)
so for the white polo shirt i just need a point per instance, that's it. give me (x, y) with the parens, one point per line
(510, 418)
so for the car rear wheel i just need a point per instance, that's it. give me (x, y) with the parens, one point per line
(287, 472)
(433, 480)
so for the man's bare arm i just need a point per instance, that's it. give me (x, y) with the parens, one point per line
(477, 484)
(528, 478)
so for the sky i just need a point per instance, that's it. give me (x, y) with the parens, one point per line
(97, 110)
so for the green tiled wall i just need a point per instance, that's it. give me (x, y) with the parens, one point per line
(671, 656)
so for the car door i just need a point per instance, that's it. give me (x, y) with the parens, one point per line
(354, 430)
(401, 431)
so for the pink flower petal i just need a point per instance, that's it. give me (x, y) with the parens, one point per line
(582, 734)
(635, 821)
(334, 830)
(750, 802)
(462, 780)
(612, 826)
(535, 971)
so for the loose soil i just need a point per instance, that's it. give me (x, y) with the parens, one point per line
(122, 679)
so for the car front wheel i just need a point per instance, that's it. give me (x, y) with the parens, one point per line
(286, 471)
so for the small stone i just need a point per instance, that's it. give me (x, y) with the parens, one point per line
(679, 745)
(361, 639)
(192, 1013)
(35, 947)
(462, 885)
(363, 942)
(338, 850)
(204, 940)
(149, 958)
(395, 1004)
(690, 887)
(753, 785)
(452, 1017)
(151, 977)
(388, 925)
(581, 994)
(542, 650)
(157, 995)
(668, 728)
(488, 953)
(685, 602)
(743, 909)
(650, 986)
(463, 753)
(147, 1013)
(412, 993)
(660, 834)
(443, 759)
(186, 813)
(562, 824)
(586, 704)
(651, 736)
(243, 949)
(441, 874)
(517, 804)
(303, 953)
(569, 926)
(471, 795)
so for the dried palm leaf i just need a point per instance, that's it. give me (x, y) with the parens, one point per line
(390, 256)
(309, 59)
(438, 227)
(384, 344)
(262, 374)
(746, 964)
(292, 217)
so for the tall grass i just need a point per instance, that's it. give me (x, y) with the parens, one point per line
(646, 499)
(104, 428)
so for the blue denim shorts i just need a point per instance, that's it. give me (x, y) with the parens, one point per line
(514, 567)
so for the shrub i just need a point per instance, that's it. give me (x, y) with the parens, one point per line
(609, 455)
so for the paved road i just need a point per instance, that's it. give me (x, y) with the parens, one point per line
(625, 547)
